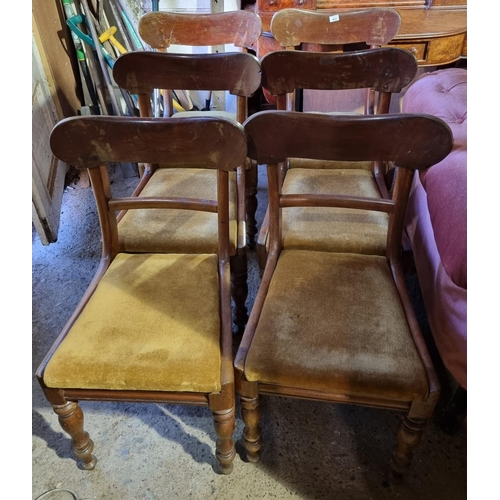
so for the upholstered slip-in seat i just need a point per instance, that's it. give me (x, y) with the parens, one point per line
(353, 341)
(338, 229)
(182, 231)
(162, 343)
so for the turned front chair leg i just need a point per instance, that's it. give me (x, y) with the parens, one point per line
(71, 420)
(251, 414)
(239, 289)
(409, 434)
(224, 424)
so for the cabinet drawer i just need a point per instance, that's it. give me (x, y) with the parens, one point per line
(435, 51)
(418, 49)
(275, 5)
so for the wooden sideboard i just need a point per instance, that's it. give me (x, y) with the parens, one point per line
(435, 31)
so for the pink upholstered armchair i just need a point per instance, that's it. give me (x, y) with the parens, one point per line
(436, 223)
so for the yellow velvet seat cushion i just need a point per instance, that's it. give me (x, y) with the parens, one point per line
(151, 324)
(178, 231)
(325, 164)
(334, 323)
(333, 229)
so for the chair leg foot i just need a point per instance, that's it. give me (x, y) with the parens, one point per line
(225, 450)
(71, 420)
(409, 434)
(252, 436)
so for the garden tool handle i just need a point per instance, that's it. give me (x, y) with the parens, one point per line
(109, 35)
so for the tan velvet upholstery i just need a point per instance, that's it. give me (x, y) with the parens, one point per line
(178, 231)
(335, 323)
(321, 164)
(152, 324)
(333, 229)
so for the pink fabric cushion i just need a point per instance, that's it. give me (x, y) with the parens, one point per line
(436, 220)
(443, 93)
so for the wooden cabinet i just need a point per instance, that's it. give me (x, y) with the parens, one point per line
(435, 31)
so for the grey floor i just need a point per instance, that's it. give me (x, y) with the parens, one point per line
(311, 450)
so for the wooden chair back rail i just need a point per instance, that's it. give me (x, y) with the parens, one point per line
(291, 27)
(416, 141)
(386, 70)
(336, 201)
(78, 141)
(170, 202)
(162, 29)
(142, 72)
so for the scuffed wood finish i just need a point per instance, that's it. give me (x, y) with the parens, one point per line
(142, 72)
(291, 27)
(162, 29)
(71, 420)
(380, 72)
(91, 141)
(240, 28)
(413, 142)
(384, 70)
(421, 141)
(435, 31)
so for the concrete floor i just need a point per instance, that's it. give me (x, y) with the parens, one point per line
(311, 450)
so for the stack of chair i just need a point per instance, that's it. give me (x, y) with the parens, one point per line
(377, 72)
(237, 72)
(332, 320)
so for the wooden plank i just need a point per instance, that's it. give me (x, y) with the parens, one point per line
(58, 56)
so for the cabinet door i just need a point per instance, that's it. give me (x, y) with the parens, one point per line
(47, 172)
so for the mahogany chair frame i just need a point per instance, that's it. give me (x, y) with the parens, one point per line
(383, 71)
(221, 145)
(241, 28)
(331, 32)
(239, 73)
(412, 142)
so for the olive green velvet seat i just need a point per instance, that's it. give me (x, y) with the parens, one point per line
(178, 230)
(139, 331)
(333, 229)
(333, 345)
